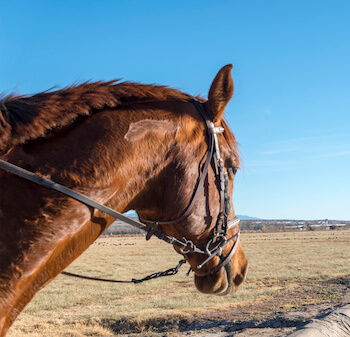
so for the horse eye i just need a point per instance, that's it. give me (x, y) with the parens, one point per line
(232, 171)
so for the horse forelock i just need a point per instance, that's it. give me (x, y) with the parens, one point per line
(25, 118)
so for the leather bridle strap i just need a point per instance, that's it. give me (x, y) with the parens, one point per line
(221, 175)
(211, 151)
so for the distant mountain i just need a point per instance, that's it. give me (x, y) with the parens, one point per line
(246, 217)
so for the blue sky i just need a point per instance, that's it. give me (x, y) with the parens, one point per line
(291, 108)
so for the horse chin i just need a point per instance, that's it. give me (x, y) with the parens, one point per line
(219, 283)
(222, 283)
(212, 284)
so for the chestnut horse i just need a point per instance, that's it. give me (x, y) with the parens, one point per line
(125, 145)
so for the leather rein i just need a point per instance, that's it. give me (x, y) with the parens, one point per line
(219, 234)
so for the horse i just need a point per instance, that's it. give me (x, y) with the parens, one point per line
(125, 145)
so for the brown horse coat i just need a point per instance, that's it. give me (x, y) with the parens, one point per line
(126, 145)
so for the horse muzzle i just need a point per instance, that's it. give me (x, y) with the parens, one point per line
(226, 279)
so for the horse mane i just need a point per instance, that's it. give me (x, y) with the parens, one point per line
(25, 118)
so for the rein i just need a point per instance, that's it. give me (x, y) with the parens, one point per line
(219, 238)
(169, 272)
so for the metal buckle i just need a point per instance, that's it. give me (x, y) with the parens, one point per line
(217, 251)
(218, 129)
(214, 130)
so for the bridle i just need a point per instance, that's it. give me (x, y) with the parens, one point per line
(219, 235)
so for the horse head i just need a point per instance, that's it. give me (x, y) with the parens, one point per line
(171, 193)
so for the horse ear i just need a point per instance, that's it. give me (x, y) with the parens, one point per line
(220, 92)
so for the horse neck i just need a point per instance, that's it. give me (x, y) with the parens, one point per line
(132, 158)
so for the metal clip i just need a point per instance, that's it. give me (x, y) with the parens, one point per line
(207, 250)
(190, 245)
(216, 251)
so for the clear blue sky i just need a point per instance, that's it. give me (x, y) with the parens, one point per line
(291, 68)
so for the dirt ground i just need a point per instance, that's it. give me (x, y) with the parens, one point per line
(277, 316)
(286, 288)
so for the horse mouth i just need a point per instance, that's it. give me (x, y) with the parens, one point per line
(226, 281)
(220, 283)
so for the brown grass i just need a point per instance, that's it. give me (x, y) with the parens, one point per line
(286, 271)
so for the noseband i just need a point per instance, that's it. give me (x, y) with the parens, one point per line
(219, 234)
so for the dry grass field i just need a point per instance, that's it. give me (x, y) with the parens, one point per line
(289, 272)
